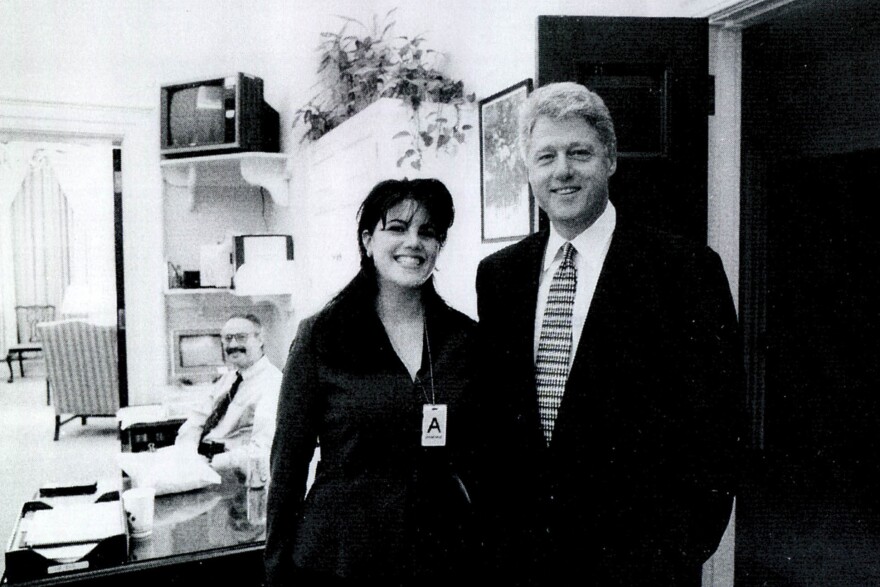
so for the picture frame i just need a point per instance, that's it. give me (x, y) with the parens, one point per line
(508, 208)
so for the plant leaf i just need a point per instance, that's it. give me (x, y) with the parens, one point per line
(466, 127)
(357, 66)
(348, 19)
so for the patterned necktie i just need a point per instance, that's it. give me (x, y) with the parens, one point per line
(554, 345)
(221, 407)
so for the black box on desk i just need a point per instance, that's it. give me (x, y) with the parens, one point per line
(33, 553)
(149, 435)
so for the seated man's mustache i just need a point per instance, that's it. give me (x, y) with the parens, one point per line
(235, 349)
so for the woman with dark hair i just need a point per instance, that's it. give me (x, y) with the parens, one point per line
(378, 375)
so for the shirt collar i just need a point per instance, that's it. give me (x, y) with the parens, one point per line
(258, 367)
(590, 244)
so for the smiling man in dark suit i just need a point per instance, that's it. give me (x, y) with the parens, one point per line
(612, 376)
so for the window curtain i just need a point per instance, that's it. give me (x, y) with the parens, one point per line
(40, 224)
(14, 165)
(85, 176)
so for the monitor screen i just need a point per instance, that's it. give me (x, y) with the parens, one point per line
(199, 350)
(197, 115)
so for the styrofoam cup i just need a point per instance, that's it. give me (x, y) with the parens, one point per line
(139, 504)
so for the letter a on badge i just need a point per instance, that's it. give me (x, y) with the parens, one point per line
(434, 425)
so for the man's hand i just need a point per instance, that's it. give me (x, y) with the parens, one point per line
(222, 461)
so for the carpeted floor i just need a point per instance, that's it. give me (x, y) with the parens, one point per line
(28, 455)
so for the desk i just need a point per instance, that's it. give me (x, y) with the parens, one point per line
(202, 537)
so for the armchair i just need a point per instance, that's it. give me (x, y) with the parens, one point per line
(82, 368)
(27, 318)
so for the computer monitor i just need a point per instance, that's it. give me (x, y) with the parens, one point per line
(196, 355)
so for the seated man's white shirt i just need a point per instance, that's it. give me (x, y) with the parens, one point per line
(249, 422)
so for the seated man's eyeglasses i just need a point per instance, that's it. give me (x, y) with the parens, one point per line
(240, 337)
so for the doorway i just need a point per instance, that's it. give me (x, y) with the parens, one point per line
(59, 206)
(807, 514)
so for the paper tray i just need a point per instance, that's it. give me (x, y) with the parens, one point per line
(25, 563)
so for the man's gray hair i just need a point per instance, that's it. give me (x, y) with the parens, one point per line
(560, 100)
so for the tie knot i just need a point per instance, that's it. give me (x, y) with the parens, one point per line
(568, 252)
(234, 388)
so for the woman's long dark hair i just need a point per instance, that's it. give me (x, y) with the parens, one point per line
(431, 194)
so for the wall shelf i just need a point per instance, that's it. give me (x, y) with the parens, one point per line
(198, 291)
(266, 170)
(188, 296)
(207, 199)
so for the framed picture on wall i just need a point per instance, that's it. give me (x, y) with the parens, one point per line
(508, 208)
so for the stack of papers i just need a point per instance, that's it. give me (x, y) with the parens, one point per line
(72, 525)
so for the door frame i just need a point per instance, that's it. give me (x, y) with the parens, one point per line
(128, 128)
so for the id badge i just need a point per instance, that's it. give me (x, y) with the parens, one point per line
(434, 425)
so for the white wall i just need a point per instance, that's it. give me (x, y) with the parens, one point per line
(119, 53)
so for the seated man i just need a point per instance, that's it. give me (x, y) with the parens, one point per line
(237, 421)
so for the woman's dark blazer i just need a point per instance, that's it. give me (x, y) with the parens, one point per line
(378, 493)
(636, 486)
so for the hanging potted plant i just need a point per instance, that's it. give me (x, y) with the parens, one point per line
(356, 70)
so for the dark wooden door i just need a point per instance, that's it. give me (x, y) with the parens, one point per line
(120, 278)
(653, 75)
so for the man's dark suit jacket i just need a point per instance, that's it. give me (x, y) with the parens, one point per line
(636, 487)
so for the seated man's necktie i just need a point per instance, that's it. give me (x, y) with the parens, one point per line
(221, 407)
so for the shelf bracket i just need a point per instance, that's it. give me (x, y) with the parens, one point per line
(271, 174)
(266, 170)
(183, 177)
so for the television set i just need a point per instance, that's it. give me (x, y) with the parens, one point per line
(196, 355)
(215, 116)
